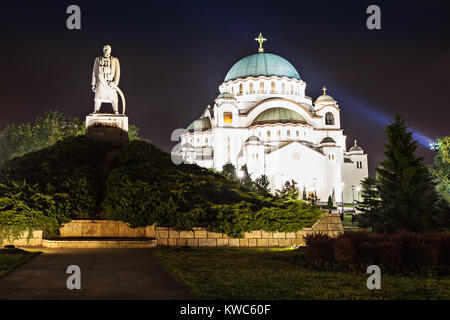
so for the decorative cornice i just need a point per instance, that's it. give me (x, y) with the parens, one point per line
(262, 77)
(279, 99)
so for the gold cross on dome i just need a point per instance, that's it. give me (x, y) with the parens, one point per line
(260, 39)
(324, 91)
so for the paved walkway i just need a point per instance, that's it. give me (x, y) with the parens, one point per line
(105, 274)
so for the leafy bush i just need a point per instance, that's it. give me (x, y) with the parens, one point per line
(409, 251)
(24, 208)
(319, 249)
(343, 251)
(70, 166)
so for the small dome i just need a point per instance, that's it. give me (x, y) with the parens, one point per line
(325, 98)
(278, 115)
(356, 148)
(262, 64)
(252, 138)
(327, 140)
(201, 124)
(225, 95)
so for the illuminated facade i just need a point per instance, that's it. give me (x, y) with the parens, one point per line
(263, 119)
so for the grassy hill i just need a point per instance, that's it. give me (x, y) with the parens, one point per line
(140, 185)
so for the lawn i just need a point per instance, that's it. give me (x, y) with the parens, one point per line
(10, 259)
(282, 274)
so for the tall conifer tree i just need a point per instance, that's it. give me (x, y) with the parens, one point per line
(405, 186)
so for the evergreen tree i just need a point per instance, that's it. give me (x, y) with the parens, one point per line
(229, 171)
(263, 182)
(441, 166)
(304, 196)
(289, 191)
(404, 184)
(330, 204)
(369, 206)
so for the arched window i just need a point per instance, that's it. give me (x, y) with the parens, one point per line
(273, 87)
(298, 134)
(289, 134)
(283, 87)
(329, 119)
(206, 141)
(279, 133)
(292, 89)
(250, 87)
(261, 87)
(228, 117)
(232, 91)
(240, 88)
(268, 134)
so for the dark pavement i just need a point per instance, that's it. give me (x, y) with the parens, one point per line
(105, 274)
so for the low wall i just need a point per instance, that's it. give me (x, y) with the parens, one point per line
(329, 224)
(22, 241)
(104, 228)
(200, 237)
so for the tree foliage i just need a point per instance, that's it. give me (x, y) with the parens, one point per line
(17, 140)
(48, 129)
(403, 196)
(24, 208)
(441, 167)
(263, 182)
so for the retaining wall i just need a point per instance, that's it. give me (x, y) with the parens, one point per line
(329, 224)
(200, 237)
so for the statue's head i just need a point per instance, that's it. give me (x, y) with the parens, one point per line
(107, 51)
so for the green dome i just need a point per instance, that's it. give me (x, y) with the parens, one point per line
(278, 115)
(201, 124)
(325, 97)
(262, 64)
(327, 140)
(225, 95)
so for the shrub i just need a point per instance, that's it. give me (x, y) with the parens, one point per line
(319, 249)
(70, 166)
(365, 253)
(344, 252)
(24, 208)
(388, 253)
(403, 251)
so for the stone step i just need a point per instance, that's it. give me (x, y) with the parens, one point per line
(92, 242)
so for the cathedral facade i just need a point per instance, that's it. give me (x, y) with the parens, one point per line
(263, 119)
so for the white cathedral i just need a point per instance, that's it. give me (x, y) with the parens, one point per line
(263, 119)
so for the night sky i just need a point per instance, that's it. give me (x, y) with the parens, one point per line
(175, 54)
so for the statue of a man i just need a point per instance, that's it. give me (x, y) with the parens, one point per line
(105, 80)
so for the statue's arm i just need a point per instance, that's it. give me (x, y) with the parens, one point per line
(94, 72)
(117, 75)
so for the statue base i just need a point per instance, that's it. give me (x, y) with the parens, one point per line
(108, 127)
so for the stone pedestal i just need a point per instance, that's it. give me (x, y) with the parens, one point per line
(107, 127)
